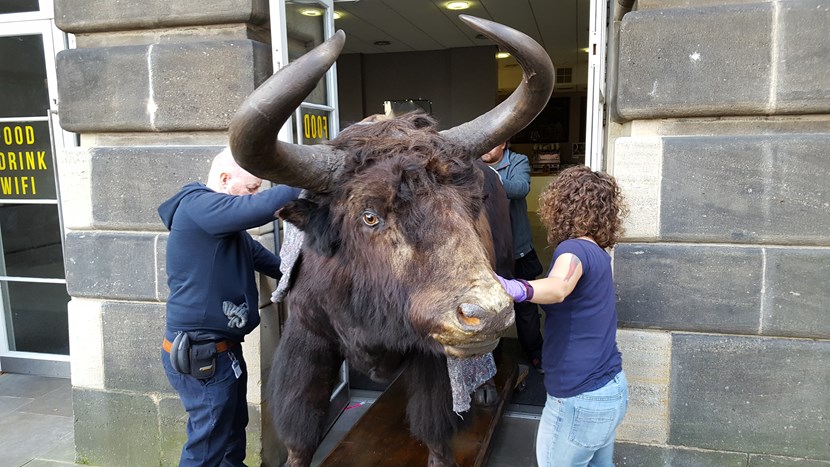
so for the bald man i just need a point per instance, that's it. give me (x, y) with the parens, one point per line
(214, 303)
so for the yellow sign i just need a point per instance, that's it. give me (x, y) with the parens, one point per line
(26, 170)
(315, 126)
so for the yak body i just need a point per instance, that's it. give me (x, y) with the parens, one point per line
(403, 229)
(396, 268)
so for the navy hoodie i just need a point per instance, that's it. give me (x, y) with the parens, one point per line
(211, 258)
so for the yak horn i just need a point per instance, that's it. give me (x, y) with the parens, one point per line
(516, 112)
(253, 130)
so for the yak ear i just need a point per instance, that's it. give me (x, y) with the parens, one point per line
(321, 235)
(297, 212)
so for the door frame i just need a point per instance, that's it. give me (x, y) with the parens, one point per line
(279, 48)
(595, 134)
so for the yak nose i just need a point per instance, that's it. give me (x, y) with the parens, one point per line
(471, 317)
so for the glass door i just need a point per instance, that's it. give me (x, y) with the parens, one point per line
(34, 332)
(296, 29)
(297, 26)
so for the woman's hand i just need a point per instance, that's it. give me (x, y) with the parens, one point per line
(514, 288)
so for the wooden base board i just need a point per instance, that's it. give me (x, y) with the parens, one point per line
(381, 436)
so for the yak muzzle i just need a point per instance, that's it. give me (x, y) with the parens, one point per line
(474, 331)
(473, 318)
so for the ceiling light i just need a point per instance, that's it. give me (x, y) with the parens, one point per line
(585, 49)
(458, 5)
(502, 54)
(338, 15)
(311, 12)
(382, 43)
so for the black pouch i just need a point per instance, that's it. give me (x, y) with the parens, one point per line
(180, 353)
(202, 359)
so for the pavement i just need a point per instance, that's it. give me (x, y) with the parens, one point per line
(36, 425)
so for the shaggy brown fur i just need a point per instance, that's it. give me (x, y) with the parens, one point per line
(390, 254)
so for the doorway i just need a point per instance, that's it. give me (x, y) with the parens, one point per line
(420, 51)
(297, 26)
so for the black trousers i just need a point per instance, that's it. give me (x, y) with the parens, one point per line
(528, 323)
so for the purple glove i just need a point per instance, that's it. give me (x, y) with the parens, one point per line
(514, 288)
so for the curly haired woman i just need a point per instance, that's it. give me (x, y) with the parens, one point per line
(587, 393)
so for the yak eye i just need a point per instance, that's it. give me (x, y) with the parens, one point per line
(370, 218)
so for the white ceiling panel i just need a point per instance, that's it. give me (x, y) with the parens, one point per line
(561, 26)
(518, 14)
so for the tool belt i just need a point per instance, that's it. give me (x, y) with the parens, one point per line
(194, 353)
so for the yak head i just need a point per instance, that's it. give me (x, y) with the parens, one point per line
(394, 222)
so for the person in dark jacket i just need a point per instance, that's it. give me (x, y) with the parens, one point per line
(214, 302)
(514, 171)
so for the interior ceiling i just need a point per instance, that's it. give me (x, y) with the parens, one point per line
(561, 26)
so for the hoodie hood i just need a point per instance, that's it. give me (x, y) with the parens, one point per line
(168, 208)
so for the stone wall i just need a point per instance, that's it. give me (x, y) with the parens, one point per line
(723, 276)
(151, 88)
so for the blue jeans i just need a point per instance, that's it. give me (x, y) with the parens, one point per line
(580, 430)
(217, 411)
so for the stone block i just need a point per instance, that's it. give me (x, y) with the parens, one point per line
(120, 188)
(801, 84)
(115, 428)
(269, 332)
(689, 287)
(200, 86)
(74, 178)
(745, 394)
(78, 16)
(193, 86)
(120, 265)
(172, 427)
(750, 189)
(661, 4)
(732, 126)
(638, 167)
(121, 200)
(190, 138)
(162, 289)
(254, 434)
(107, 89)
(639, 455)
(85, 334)
(795, 288)
(132, 334)
(647, 363)
(173, 435)
(695, 62)
(232, 31)
(777, 461)
(251, 349)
